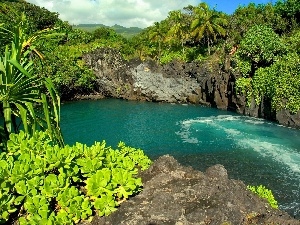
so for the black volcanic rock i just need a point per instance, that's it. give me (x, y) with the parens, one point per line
(178, 195)
(205, 83)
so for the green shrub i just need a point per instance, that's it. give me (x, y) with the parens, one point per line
(45, 184)
(270, 69)
(167, 57)
(259, 47)
(263, 192)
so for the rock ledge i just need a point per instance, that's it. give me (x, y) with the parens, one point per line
(178, 195)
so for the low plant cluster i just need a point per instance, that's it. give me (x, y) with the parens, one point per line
(265, 193)
(42, 183)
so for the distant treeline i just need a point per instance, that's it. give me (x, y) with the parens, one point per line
(127, 32)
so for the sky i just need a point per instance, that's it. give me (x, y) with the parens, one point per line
(128, 13)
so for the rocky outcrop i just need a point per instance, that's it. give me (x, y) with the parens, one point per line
(197, 82)
(156, 85)
(178, 195)
(137, 80)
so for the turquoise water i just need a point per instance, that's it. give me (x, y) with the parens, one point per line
(252, 150)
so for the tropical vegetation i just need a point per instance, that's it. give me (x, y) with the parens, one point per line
(43, 183)
(42, 180)
(207, 24)
(41, 63)
(195, 33)
(28, 101)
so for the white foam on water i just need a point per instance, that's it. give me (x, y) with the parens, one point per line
(288, 157)
(249, 134)
(282, 154)
(227, 118)
(186, 133)
(185, 136)
(192, 121)
(232, 132)
(224, 118)
(211, 119)
(256, 121)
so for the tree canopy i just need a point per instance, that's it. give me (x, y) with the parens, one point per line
(208, 24)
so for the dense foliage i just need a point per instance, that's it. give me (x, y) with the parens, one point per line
(270, 68)
(280, 82)
(185, 35)
(264, 40)
(263, 34)
(27, 101)
(260, 47)
(64, 64)
(37, 18)
(42, 183)
(267, 41)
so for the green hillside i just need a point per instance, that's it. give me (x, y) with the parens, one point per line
(124, 31)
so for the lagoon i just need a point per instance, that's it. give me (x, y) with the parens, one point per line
(253, 150)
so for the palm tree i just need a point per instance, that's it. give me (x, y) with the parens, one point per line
(26, 99)
(207, 24)
(139, 42)
(157, 34)
(178, 27)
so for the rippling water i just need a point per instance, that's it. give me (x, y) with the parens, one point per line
(252, 150)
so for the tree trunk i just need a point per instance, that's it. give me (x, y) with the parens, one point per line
(208, 47)
(159, 50)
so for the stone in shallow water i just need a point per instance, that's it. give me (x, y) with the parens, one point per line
(178, 195)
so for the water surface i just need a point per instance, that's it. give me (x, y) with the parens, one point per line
(252, 150)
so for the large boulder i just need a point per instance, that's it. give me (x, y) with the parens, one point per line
(178, 195)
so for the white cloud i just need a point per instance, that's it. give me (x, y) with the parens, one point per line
(128, 13)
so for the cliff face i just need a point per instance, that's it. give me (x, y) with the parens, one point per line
(196, 83)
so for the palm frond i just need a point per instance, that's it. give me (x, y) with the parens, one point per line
(24, 95)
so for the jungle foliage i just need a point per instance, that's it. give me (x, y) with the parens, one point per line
(37, 18)
(42, 183)
(260, 37)
(269, 64)
(189, 34)
(27, 101)
(263, 40)
(60, 53)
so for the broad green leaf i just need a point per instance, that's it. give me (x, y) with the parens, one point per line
(105, 205)
(100, 183)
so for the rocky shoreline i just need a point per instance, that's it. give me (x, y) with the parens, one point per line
(174, 194)
(177, 195)
(207, 83)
